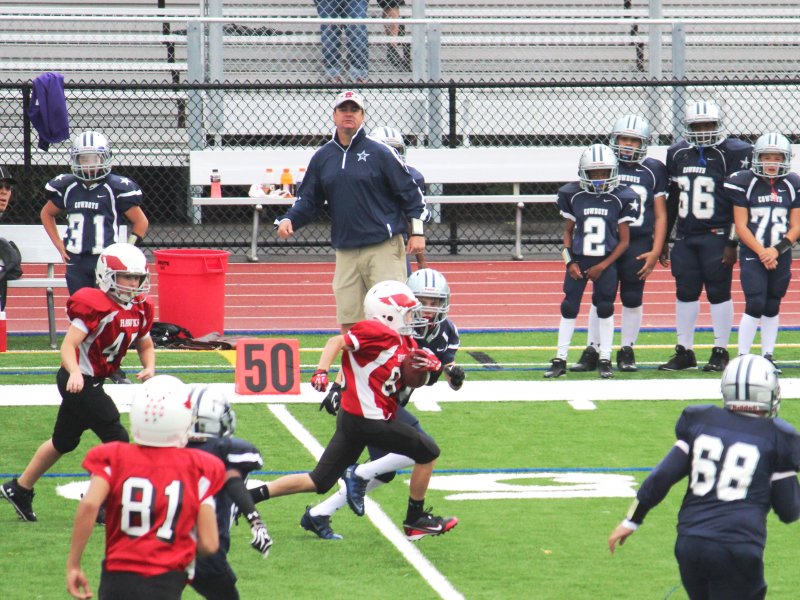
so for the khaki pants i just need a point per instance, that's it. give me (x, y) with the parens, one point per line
(358, 269)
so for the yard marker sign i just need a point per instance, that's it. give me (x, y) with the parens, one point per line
(267, 366)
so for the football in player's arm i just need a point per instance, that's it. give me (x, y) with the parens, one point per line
(103, 324)
(159, 499)
(213, 432)
(766, 211)
(598, 210)
(742, 461)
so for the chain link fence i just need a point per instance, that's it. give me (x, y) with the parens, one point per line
(152, 129)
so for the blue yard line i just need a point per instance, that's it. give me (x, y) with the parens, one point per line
(439, 471)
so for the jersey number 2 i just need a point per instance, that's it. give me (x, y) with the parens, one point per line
(138, 504)
(737, 470)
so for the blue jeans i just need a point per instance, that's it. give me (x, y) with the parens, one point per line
(357, 43)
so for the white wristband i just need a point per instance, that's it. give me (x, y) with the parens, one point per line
(630, 524)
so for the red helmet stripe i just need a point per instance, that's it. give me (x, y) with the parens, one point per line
(400, 300)
(114, 263)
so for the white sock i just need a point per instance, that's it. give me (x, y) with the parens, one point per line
(338, 500)
(385, 464)
(686, 314)
(747, 333)
(722, 318)
(769, 334)
(606, 327)
(631, 324)
(594, 328)
(565, 330)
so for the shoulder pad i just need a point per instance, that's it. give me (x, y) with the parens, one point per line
(786, 427)
(735, 145)
(794, 179)
(678, 146)
(121, 183)
(652, 163)
(570, 188)
(742, 177)
(62, 181)
(700, 408)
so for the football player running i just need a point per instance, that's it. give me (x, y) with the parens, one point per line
(741, 461)
(374, 349)
(104, 323)
(648, 178)
(598, 211)
(159, 501)
(440, 336)
(766, 210)
(704, 251)
(213, 432)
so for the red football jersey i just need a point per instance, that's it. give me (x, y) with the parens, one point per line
(110, 329)
(372, 369)
(152, 507)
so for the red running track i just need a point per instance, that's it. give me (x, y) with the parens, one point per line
(486, 295)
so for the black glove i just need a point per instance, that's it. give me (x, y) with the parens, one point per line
(332, 401)
(456, 374)
(404, 395)
(261, 540)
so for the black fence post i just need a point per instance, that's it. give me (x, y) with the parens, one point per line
(453, 237)
(452, 108)
(26, 126)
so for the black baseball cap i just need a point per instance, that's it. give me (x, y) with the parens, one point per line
(5, 175)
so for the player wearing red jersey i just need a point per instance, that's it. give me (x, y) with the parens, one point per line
(157, 495)
(374, 349)
(103, 324)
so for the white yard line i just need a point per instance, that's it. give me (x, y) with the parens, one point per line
(429, 573)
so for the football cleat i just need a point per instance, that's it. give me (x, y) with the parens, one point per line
(558, 367)
(356, 490)
(119, 376)
(320, 525)
(604, 368)
(626, 361)
(20, 498)
(587, 362)
(428, 524)
(718, 361)
(770, 359)
(682, 359)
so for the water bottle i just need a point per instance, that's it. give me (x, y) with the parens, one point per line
(216, 186)
(287, 182)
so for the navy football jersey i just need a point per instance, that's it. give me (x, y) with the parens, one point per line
(700, 172)
(236, 454)
(648, 180)
(732, 461)
(597, 216)
(93, 212)
(444, 345)
(768, 203)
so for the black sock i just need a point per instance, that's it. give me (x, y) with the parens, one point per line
(415, 509)
(260, 493)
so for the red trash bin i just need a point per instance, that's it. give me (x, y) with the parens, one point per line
(191, 289)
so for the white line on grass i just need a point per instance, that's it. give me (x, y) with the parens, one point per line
(429, 573)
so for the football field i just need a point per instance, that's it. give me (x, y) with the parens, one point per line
(537, 483)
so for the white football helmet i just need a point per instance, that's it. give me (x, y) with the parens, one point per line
(389, 302)
(750, 384)
(214, 415)
(162, 412)
(123, 259)
(703, 111)
(391, 137)
(598, 157)
(429, 283)
(772, 142)
(97, 157)
(630, 126)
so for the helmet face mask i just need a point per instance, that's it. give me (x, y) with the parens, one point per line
(120, 261)
(598, 157)
(91, 156)
(162, 413)
(776, 144)
(633, 127)
(391, 137)
(394, 304)
(702, 124)
(214, 417)
(750, 385)
(432, 290)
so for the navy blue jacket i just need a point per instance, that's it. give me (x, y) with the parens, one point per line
(48, 109)
(368, 188)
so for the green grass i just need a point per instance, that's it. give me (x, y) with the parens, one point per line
(510, 548)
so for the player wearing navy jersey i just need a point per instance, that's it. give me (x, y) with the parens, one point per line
(766, 210)
(440, 336)
(648, 178)
(374, 349)
(703, 253)
(598, 210)
(94, 201)
(740, 465)
(103, 324)
(212, 432)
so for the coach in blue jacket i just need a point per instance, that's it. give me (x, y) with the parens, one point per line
(370, 193)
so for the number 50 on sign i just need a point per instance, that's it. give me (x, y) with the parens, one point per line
(267, 366)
